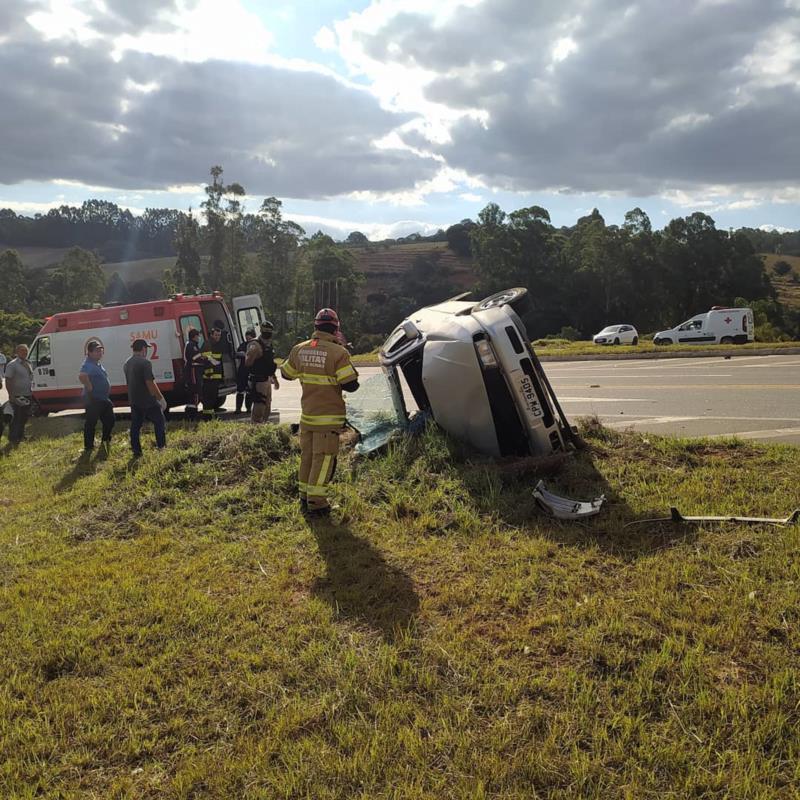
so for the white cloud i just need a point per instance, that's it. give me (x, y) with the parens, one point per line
(63, 21)
(776, 228)
(208, 29)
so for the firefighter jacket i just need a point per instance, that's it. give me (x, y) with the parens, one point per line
(213, 353)
(321, 366)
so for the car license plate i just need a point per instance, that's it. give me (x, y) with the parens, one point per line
(528, 393)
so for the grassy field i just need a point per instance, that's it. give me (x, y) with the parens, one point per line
(174, 628)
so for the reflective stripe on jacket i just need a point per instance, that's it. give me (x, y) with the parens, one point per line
(322, 366)
(213, 372)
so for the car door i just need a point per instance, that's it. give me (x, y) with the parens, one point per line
(692, 331)
(41, 358)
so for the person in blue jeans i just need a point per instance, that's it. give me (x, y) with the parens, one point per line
(145, 398)
(96, 399)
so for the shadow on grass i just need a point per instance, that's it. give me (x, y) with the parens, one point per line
(359, 584)
(84, 466)
(576, 476)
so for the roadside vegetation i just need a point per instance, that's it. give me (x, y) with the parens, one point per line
(174, 628)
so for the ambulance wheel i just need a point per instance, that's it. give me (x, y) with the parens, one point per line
(726, 340)
(516, 298)
(37, 410)
(635, 341)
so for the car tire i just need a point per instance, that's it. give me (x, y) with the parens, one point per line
(517, 298)
(663, 341)
(726, 340)
(635, 341)
(616, 341)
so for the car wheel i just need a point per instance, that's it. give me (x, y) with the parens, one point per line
(635, 341)
(663, 341)
(726, 340)
(616, 341)
(516, 298)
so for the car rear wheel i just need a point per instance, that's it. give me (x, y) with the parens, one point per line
(517, 298)
(635, 341)
(726, 340)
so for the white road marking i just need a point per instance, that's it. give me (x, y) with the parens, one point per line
(605, 400)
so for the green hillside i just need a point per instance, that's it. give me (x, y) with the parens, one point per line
(787, 286)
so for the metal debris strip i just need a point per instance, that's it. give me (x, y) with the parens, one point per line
(676, 516)
(564, 507)
(792, 519)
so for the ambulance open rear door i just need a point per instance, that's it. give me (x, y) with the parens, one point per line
(247, 313)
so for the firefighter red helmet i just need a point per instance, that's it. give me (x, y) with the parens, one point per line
(326, 316)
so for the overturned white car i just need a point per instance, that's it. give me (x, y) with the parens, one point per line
(472, 367)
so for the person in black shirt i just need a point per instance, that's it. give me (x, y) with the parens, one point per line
(193, 365)
(243, 395)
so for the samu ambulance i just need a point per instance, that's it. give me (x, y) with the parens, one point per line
(59, 349)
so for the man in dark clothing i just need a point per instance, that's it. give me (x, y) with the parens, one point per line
(147, 402)
(213, 353)
(95, 398)
(243, 374)
(260, 361)
(194, 363)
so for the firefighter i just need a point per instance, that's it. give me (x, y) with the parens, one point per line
(213, 351)
(324, 369)
(260, 361)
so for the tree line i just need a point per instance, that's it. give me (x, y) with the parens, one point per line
(580, 278)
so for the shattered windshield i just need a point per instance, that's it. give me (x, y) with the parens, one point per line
(377, 411)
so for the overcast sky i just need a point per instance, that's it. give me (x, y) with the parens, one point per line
(394, 116)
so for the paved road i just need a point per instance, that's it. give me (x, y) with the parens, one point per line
(755, 397)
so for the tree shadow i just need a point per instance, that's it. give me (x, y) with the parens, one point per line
(360, 584)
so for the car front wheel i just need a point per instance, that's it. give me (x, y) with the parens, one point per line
(663, 341)
(616, 341)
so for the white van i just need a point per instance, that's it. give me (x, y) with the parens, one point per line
(717, 326)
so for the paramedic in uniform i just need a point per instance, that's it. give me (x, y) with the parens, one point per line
(324, 369)
(260, 363)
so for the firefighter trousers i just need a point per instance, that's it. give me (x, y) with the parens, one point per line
(318, 451)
